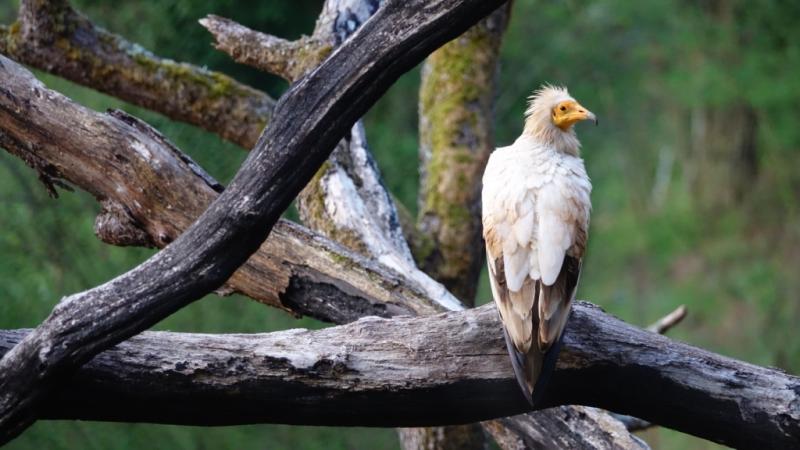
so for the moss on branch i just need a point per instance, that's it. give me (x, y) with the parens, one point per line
(53, 37)
(456, 138)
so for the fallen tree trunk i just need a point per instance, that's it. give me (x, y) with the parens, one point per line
(445, 369)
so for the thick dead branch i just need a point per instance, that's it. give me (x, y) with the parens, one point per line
(309, 270)
(661, 326)
(151, 192)
(51, 36)
(456, 117)
(288, 59)
(326, 102)
(436, 370)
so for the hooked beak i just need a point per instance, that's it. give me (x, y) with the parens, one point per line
(573, 115)
(582, 113)
(593, 118)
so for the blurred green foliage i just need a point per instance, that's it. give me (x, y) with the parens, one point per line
(668, 79)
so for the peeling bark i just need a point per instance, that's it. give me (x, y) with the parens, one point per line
(51, 36)
(444, 369)
(346, 200)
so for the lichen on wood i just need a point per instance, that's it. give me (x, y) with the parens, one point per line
(54, 37)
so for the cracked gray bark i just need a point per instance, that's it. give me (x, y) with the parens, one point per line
(155, 191)
(443, 369)
(327, 102)
(357, 168)
(327, 293)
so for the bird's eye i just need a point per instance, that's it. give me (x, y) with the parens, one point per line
(563, 108)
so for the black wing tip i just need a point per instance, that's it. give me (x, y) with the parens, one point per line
(548, 367)
(518, 364)
(533, 395)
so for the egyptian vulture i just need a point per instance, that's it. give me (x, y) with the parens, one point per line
(535, 220)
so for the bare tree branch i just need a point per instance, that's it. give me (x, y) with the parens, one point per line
(302, 289)
(151, 192)
(289, 59)
(443, 369)
(327, 102)
(665, 323)
(51, 36)
(661, 327)
(346, 200)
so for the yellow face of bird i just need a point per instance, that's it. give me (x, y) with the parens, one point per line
(567, 113)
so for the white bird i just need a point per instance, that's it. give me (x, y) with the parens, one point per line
(536, 210)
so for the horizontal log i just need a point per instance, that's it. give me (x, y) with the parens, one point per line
(445, 369)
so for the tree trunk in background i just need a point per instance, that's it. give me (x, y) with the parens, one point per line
(456, 129)
(722, 163)
(456, 110)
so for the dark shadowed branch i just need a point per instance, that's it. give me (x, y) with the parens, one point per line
(435, 370)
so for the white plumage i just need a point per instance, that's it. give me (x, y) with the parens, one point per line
(535, 219)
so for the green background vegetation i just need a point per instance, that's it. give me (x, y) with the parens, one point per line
(687, 210)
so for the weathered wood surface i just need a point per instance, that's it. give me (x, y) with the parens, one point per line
(51, 36)
(326, 102)
(150, 192)
(444, 369)
(288, 59)
(567, 427)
